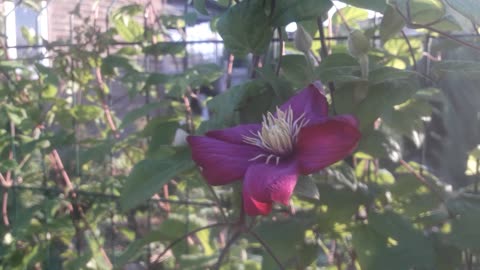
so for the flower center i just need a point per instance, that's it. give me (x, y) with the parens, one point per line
(278, 134)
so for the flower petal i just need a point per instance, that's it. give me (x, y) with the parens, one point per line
(234, 134)
(221, 162)
(310, 101)
(323, 144)
(268, 183)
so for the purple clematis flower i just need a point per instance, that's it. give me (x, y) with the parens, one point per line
(299, 138)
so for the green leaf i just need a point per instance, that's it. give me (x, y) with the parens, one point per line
(388, 87)
(351, 15)
(466, 211)
(111, 62)
(85, 113)
(200, 6)
(389, 241)
(287, 11)
(224, 107)
(125, 22)
(133, 115)
(29, 37)
(468, 8)
(469, 70)
(148, 176)
(375, 5)
(377, 144)
(339, 67)
(392, 23)
(283, 244)
(421, 11)
(297, 69)
(14, 113)
(245, 28)
(169, 230)
(306, 187)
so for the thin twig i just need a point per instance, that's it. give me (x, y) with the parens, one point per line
(410, 49)
(217, 201)
(268, 249)
(159, 257)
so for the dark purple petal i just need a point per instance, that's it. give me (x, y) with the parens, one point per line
(310, 101)
(221, 162)
(323, 144)
(268, 183)
(234, 134)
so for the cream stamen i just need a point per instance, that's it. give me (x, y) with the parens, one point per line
(278, 134)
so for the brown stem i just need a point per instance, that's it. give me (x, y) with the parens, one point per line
(188, 115)
(231, 57)
(71, 192)
(106, 108)
(6, 222)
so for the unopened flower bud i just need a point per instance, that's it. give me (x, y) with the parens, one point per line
(303, 40)
(358, 44)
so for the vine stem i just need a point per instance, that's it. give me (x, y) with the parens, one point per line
(106, 108)
(268, 249)
(159, 257)
(226, 249)
(58, 165)
(217, 202)
(410, 49)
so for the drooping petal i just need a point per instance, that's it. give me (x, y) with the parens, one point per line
(254, 208)
(310, 101)
(221, 162)
(234, 134)
(268, 183)
(323, 144)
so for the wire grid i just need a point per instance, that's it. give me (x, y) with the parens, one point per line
(108, 197)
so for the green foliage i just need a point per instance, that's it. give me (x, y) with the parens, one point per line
(245, 28)
(123, 187)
